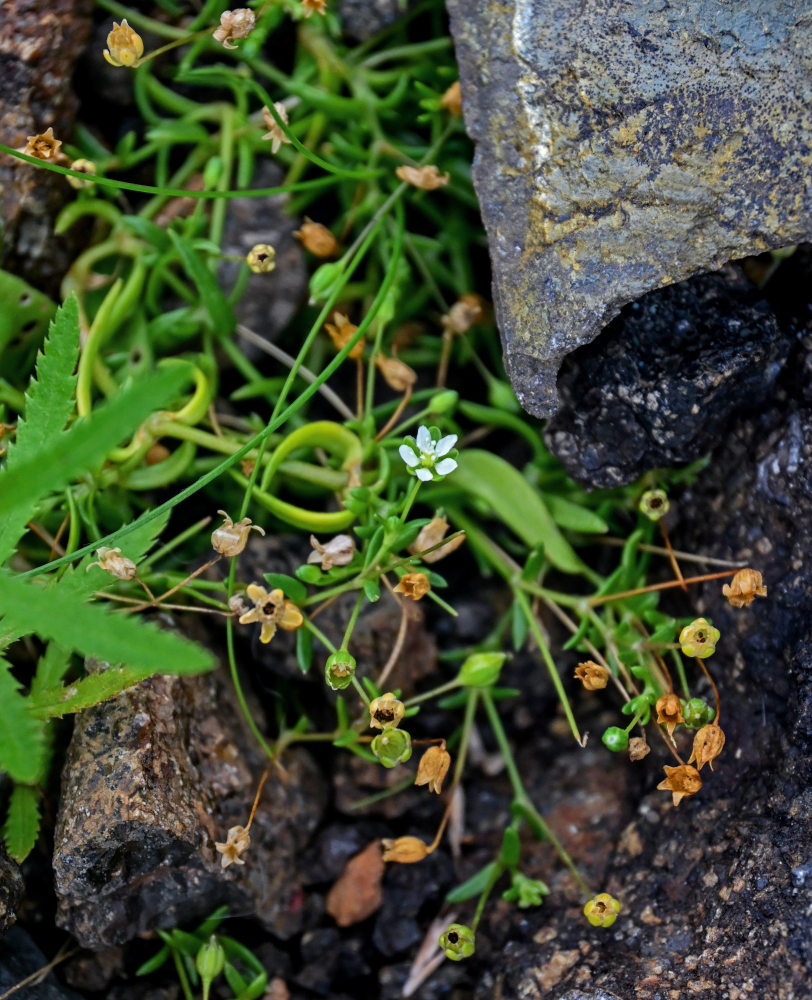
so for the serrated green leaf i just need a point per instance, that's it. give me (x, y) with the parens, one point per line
(22, 745)
(50, 399)
(25, 311)
(78, 450)
(51, 668)
(22, 822)
(513, 500)
(93, 630)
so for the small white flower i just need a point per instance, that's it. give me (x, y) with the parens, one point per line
(428, 455)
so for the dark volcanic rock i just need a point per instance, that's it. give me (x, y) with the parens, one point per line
(623, 147)
(660, 383)
(716, 893)
(153, 778)
(11, 890)
(40, 41)
(21, 958)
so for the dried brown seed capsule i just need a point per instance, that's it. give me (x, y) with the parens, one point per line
(405, 850)
(744, 588)
(680, 781)
(669, 712)
(433, 768)
(317, 239)
(708, 744)
(414, 585)
(592, 675)
(428, 178)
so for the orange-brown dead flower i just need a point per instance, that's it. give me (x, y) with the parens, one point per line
(430, 536)
(708, 744)
(397, 374)
(341, 331)
(433, 768)
(669, 712)
(312, 7)
(680, 781)
(317, 239)
(414, 585)
(592, 675)
(466, 312)
(405, 850)
(638, 748)
(452, 99)
(744, 588)
(44, 146)
(428, 178)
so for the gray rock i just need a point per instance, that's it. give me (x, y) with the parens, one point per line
(152, 779)
(660, 383)
(623, 147)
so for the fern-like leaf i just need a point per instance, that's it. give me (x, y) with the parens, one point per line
(78, 450)
(50, 399)
(91, 629)
(22, 822)
(64, 699)
(22, 745)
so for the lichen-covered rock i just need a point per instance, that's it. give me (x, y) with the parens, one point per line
(152, 779)
(660, 383)
(623, 147)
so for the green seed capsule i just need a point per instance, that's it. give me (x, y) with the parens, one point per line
(458, 942)
(392, 747)
(339, 670)
(615, 739)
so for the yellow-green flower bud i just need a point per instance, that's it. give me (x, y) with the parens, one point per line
(602, 910)
(339, 670)
(458, 942)
(392, 747)
(699, 638)
(481, 669)
(210, 962)
(654, 504)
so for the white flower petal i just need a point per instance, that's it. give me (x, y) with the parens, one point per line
(424, 442)
(444, 445)
(443, 468)
(424, 475)
(408, 455)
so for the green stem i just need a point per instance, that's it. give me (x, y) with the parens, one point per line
(521, 799)
(353, 619)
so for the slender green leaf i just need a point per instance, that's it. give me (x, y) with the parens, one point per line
(78, 450)
(22, 822)
(573, 516)
(218, 311)
(21, 737)
(475, 885)
(510, 497)
(93, 630)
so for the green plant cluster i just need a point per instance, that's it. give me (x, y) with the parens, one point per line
(129, 411)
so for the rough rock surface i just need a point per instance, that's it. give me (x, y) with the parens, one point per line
(662, 380)
(623, 147)
(153, 778)
(716, 893)
(40, 41)
(11, 890)
(21, 958)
